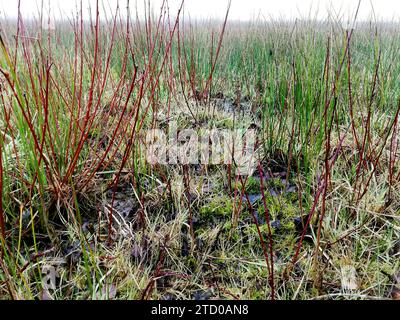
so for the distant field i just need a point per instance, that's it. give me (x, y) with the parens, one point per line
(317, 218)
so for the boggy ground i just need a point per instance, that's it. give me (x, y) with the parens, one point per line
(193, 234)
(85, 216)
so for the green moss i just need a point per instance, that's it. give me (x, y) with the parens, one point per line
(227, 226)
(280, 207)
(292, 197)
(288, 225)
(220, 206)
(289, 210)
(276, 184)
(191, 262)
(252, 185)
(273, 205)
(252, 230)
(226, 123)
(232, 233)
(200, 231)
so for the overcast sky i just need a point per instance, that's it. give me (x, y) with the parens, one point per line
(240, 10)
